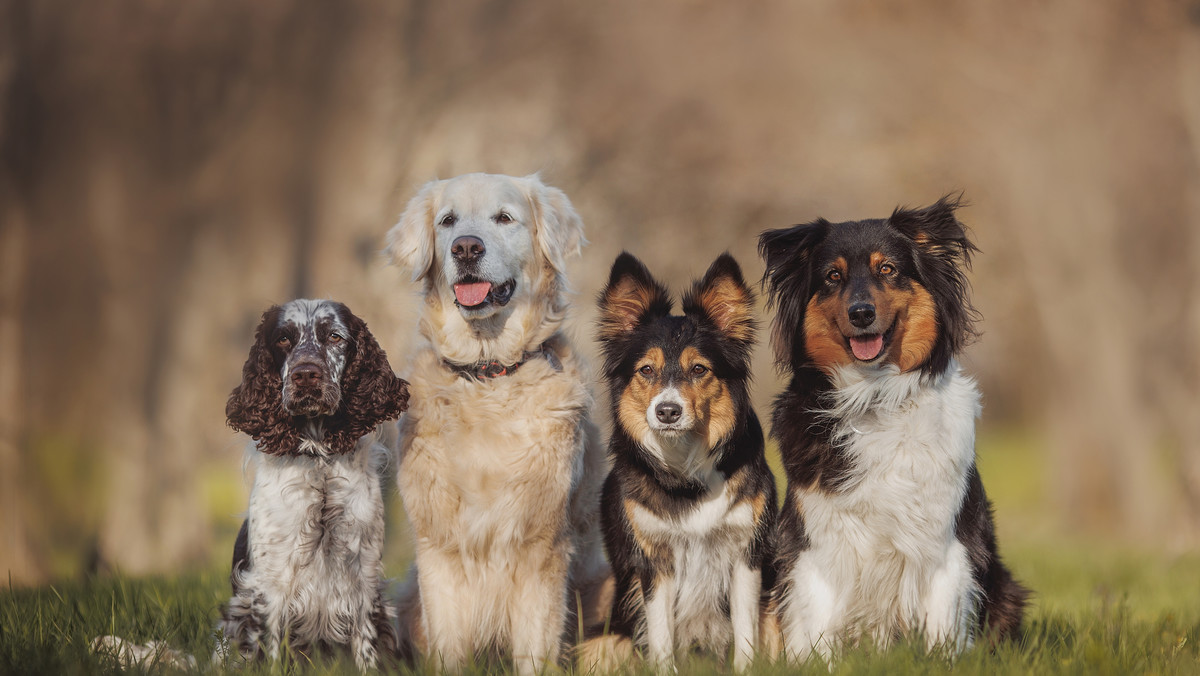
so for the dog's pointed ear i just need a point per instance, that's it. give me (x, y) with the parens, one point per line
(936, 230)
(255, 406)
(371, 391)
(724, 299)
(787, 253)
(631, 296)
(944, 249)
(410, 243)
(558, 227)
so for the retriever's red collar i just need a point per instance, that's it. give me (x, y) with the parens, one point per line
(484, 370)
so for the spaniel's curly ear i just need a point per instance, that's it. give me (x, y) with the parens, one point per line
(255, 407)
(371, 392)
(410, 242)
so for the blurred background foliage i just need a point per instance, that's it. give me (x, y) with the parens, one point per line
(168, 170)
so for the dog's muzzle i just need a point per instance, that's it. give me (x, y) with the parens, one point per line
(309, 392)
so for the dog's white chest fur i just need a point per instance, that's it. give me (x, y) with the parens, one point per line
(316, 531)
(708, 544)
(883, 557)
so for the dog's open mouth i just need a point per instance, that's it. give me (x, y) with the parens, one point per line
(472, 293)
(870, 346)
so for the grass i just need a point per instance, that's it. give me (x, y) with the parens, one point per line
(1081, 624)
(1100, 608)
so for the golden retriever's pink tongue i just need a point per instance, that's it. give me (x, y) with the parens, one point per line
(470, 295)
(868, 347)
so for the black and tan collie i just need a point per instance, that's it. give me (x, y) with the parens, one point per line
(689, 506)
(885, 528)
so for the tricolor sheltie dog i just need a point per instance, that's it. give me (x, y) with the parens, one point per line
(689, 507)
(885, 528)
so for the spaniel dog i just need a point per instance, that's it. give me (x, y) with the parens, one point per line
(307, 569)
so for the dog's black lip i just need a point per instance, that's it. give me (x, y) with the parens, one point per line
(887, 342)
(505, 288)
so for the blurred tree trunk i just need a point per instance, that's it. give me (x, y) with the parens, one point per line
(16, 549)
(1182, 385)
(1092, 245)
(16, 555)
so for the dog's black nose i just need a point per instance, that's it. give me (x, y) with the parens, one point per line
(305, 375)
(862, 315)
(467, 249)
(667, 412)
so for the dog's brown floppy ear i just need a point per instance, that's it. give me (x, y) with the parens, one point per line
(410, 243)
(371, 392)
(255, 407)
(723, 297)
(631, 295)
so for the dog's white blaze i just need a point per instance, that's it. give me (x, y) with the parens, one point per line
(305, 314)
(709, 543)
(671, 395)
(883, 556)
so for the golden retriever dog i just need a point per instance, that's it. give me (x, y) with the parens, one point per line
(500, 465)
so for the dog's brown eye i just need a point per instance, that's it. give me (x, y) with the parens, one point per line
(335, 338)
(886, 269)
(448, 220)
(283, 341)
(646, 370)
(503, 217)
(833, 276)
(699, 369)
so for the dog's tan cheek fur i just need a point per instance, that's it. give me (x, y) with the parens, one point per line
(712, 406)
(636, 397)
(632, 412)
(916, 330)
(822, 339)
(709, 397)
